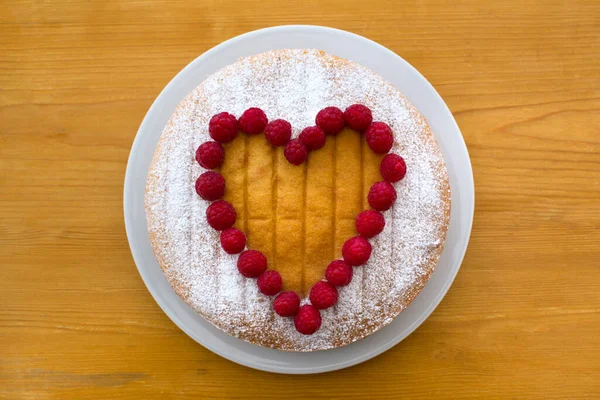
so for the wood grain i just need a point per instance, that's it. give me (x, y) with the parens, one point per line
(522, 319)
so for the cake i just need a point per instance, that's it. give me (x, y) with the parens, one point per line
(297, 219)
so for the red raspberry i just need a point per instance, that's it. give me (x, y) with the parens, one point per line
(369, 223)
(331, 120)
(295, 152)
(210, 186)
(270, 283)
(210, 155)
(379, 137)
(286, 304)
(393, 168)
(278, 132)
(358, 117)
(323, 295)
(313, 137)
(221, 215)
(356, 251)
(339, 273)
(381, 196)
(223, 127)
(308, 320)
(233, 240)
(253, 121)
(252, 263)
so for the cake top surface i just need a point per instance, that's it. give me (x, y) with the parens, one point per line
(295, 85)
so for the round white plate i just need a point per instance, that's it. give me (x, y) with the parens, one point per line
(387, 64)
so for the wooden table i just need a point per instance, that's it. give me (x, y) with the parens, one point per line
(522, 319)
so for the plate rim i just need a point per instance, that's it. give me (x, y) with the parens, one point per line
(233, 356)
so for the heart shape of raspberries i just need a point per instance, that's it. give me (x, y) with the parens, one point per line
(221, 215)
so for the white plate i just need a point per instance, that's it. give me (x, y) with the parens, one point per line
(387, 64)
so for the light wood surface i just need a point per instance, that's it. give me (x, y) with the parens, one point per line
(522, 319)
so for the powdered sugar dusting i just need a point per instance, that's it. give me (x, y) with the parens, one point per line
(295, 85)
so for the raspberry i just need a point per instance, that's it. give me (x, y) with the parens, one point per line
(210, 155)
(393, 168)
(221, 215)
(295, 152)
(339, 273)
(223, 127)
(379, 137)
(253, 121)
(356, 251)
(278, 132)
(308, 320)
(358, 117)
(270, 283)
(210, 186)
(286, 304)
(323, 295)
(313, 137)
(252, 263)
(331, 120)
(381, 196)
(233, 240)
(369, 223)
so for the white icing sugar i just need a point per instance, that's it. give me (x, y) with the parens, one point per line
(295, 85)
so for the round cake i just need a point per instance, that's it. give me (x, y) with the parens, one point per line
(300, 217)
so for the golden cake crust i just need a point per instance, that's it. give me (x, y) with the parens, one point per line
(205, 277)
